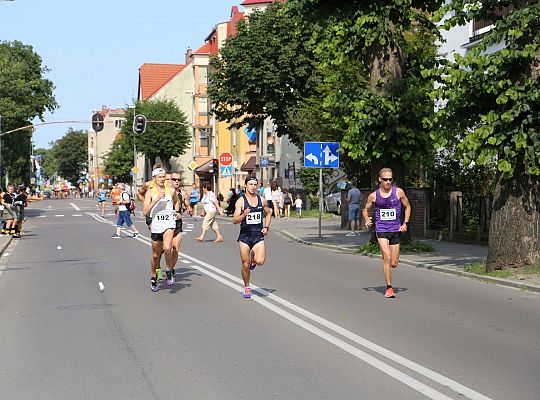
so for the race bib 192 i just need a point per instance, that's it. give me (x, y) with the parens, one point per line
(387, 214)
(254, 218)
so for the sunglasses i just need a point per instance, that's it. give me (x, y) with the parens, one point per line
(176, 179)
(387, 179)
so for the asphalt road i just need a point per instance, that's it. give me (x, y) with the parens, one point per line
(318, 326)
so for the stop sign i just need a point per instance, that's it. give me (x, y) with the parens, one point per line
(225, 159)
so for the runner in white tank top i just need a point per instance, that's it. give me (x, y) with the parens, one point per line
(161, 204)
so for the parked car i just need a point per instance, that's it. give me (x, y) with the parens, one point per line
(332, 198)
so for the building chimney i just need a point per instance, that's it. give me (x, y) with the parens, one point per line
(189, 52)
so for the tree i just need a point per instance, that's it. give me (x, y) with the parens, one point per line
(261, 72)
(390, 42)
(119, 159)
(491, 109)
(24, 95)
(161, 139)
(70, 153)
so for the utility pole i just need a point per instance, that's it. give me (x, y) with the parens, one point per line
(1, 165)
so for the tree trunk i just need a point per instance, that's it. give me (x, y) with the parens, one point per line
(514, 230)
(386, 68)
(166, 160)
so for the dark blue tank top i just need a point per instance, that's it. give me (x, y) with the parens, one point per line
(253, 223)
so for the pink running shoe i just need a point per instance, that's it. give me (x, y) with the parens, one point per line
(247, 293)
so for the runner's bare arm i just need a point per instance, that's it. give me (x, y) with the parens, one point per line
(149, 203)
(239, 212)
(365, 212)
(405, 201)
(142, 192)
(267, 216)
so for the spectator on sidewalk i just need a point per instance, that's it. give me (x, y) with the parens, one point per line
(298, 205)
(267, 194)
(287, 201)
(276, 199)
(10, 216)
(353, 198)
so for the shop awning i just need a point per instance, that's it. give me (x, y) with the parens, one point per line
(205, 168)
(250, 164)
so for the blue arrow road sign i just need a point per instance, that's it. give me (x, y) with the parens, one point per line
(321, 155)
(226, 170)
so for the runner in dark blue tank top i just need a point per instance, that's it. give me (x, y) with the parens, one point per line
(252, 213)
(388, 201)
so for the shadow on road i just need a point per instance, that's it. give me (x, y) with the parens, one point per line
(382, 289)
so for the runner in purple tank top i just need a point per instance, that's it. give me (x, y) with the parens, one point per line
(388, 200)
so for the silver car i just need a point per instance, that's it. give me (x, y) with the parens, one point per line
(332, 198)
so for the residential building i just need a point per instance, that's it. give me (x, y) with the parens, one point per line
(170, 82)
(99, 143)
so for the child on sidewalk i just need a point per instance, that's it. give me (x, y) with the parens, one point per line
(298, 205)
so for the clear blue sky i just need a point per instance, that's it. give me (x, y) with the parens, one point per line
(94, 48)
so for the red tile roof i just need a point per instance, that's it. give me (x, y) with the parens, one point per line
(249, 2)
(204, 49)
(153, 77)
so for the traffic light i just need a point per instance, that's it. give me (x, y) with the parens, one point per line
(215, 165)
(139, 124)
(97, 122)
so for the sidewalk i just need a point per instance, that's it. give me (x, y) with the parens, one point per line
(448, 257)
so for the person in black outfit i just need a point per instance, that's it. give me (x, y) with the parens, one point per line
(21, 201)
(9, 210)
(232, 201)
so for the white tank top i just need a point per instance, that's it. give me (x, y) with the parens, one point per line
(163, 215)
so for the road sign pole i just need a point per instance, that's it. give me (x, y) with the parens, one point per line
(320, 201)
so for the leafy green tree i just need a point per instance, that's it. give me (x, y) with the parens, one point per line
(491, 110)
(389, 42)
(24, 95)
(119, 159)
(167, 131)
(70, 153)
(261, 72)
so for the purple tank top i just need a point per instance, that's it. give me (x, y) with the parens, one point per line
(387, 212)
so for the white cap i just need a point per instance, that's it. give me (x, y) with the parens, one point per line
(157, 171)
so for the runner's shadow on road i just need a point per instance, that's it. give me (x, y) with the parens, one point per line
(382, 289)
(260, 294)
(182, 278)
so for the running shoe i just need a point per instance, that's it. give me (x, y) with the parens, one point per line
(390, 293)
(252, 263)
(154, 285)
(159, 274)
(115, 236)
(170, 278)
(247, 293)
(173, 272)
(136, 235)
(351, 234)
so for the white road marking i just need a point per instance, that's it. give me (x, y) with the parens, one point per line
(77, 215)
(75, 207)
(59, 215)
(229, 280)
(185, 261)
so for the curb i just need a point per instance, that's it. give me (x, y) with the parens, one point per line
(453, 271)
(3, 248)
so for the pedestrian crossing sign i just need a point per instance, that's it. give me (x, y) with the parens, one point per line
(226, 170)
